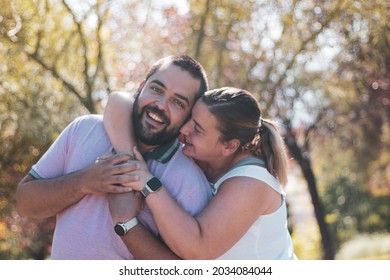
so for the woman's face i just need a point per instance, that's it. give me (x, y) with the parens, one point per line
(200, 135)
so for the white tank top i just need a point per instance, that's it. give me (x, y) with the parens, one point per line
(268, 238)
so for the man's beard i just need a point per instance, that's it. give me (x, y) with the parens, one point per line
(143, 133)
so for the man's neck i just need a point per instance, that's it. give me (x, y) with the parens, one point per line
(162, 153)
(145, 148)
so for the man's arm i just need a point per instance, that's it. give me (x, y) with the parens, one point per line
(43, 198)
(142, 244)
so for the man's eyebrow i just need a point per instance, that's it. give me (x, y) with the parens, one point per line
(161, 84)
(182, 97)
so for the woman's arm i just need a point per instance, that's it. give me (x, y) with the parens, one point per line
(117, 121)
(229, 215)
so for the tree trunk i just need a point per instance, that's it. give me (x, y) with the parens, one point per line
(305, 164)
(201, 35)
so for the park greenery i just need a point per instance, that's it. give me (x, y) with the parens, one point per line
(321, 68)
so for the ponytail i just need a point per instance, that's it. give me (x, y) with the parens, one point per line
(271, 148)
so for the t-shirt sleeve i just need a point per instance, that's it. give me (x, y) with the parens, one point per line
(195, 194)
(52, 163)
(192, 191)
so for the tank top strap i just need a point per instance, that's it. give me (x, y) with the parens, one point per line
(250, 161)
(251, 171)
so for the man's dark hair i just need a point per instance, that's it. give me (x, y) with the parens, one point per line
(188, 64)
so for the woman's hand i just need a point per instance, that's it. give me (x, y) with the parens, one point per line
(142, 174)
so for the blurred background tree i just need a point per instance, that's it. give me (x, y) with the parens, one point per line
(320, 68)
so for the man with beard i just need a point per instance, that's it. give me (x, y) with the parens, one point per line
(73, 183)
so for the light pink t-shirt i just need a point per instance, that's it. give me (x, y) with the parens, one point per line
(85, 229)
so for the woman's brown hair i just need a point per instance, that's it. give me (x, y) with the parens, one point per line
(239, 117)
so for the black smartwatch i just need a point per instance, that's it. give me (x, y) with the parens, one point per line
(122, 228)
(152, 185)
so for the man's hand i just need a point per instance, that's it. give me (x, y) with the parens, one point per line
(124, 206)
(109, 174)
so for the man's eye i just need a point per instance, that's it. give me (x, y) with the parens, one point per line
(178, 103)
(155, 89)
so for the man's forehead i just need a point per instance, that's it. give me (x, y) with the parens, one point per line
(169, 66)
(173, 77)
(165, 65)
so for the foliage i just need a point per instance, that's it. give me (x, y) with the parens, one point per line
(35, 107)
(367, 247)
(136, 35)
(351, 209)
(353, 170)
(25, 238)
(306, 239)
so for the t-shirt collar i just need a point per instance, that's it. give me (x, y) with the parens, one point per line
(164, 152)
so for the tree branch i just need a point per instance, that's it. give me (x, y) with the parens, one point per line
(55, 74)
(85, 49)
(300, 50)
(199, 41)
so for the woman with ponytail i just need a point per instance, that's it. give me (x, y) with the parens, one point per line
(244, 159)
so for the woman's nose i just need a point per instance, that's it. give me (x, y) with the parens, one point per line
(185, 129)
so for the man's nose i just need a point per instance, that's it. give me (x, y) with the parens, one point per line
(162, 103)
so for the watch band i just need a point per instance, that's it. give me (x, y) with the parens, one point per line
(122, 228)
(145, 191)
(152, 185)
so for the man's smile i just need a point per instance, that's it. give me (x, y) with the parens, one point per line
(155, 117)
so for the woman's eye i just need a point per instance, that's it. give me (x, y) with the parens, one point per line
(197, 130)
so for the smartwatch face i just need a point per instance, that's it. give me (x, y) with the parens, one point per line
(119, 230)
(154, 184)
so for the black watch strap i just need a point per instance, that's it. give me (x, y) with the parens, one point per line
(151, 186)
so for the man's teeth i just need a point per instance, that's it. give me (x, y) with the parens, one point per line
(155, 117)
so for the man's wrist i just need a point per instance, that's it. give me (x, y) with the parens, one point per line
(122, 228)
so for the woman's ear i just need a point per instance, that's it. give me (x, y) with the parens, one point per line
(230, 147)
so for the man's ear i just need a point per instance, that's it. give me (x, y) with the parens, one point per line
(140, 87)
(230, 147)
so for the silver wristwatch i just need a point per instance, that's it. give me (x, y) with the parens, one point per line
(122, 228)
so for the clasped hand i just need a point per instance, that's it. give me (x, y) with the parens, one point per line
(115, 173)
(124, 206)
(110, 173)
(121, 173)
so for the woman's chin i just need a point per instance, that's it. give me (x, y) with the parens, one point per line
(187, 150)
